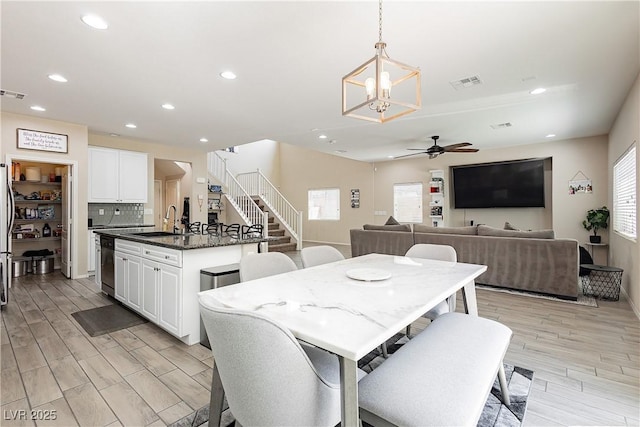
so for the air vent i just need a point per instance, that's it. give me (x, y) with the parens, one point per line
(501, 125)
(11, 94)
(466, 82)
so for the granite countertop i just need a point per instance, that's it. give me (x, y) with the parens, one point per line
(182, 241)
(111, 226)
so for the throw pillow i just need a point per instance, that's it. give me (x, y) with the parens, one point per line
(401, 227)
(421, 228)
(391, 221)
(508, 226)
(485, 230)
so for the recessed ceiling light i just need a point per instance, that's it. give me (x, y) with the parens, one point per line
(390, 157)
(94, 21)
(168, 107)
(229, 75)
(131, 126)
(115, 135)
(204, 140)
(551, 135)
(538, 91)
(38, 108)
(57, 78)
(322, 136)
(340, 151)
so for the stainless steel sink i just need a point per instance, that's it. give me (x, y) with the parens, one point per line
(156, 234)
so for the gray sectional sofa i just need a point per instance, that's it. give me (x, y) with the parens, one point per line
(533, 261)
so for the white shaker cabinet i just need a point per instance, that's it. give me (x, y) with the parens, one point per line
(91, 245)
(162, 295)
(117, 176)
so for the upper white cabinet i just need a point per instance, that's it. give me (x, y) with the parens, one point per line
(117, 176)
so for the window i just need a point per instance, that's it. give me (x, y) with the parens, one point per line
(624, 194)
(324, 204)
(407, 202)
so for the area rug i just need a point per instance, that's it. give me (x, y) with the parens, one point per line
(494, 414)
(110, 318)
(585, 300)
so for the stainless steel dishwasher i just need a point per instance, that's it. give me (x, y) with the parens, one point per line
(107, 266)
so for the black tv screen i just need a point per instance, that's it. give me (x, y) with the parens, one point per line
(513, 184)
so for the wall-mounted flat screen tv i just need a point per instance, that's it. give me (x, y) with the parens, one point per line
(512, 184)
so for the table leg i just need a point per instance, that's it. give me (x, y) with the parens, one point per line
(349, 392)
(469, 298)
(217, 399)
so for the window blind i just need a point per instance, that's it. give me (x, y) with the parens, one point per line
(624, 194)
(407, 202)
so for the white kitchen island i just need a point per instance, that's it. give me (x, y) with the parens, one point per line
(159, 276)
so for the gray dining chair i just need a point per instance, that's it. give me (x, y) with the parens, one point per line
(440, 253)
(266, 375)
(256, 266)
(317, 255)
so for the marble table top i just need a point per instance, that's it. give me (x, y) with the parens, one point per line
(323, 306)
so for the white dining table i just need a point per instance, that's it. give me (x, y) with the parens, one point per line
(352, 306)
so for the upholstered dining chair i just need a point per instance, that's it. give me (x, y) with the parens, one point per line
(256, 266)
(317, 255)
(440, 253)
(266, 375)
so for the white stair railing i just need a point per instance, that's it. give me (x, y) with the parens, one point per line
(236, 194)
(255, 183)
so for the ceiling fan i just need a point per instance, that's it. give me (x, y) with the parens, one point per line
(435, 150)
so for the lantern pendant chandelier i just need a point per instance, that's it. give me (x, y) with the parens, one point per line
(366, 91)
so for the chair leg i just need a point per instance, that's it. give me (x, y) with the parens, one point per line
(409, 330)
(385, 354)
(217, 399)
(503, 385)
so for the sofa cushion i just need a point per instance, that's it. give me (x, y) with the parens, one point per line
(401, 227)
(421, 228)
(485, 230)
(392, 221)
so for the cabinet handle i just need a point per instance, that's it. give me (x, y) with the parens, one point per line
(166, 257)
(147, 252)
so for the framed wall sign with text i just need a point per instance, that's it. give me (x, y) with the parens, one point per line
(42, 141)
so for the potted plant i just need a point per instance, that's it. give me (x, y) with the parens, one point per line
(596, 219)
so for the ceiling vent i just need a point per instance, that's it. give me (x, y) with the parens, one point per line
(466, 82)
(501, 126)
(11, 94)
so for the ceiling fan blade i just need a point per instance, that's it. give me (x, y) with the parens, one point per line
(464, 150)
(408, 155)
(454, 146)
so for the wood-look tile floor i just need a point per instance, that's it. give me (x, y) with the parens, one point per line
(586, 360)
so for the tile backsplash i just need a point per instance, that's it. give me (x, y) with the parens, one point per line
(128, 213)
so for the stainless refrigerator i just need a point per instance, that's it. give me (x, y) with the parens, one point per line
(7, 209)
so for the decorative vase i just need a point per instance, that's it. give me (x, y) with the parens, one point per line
(594, 239)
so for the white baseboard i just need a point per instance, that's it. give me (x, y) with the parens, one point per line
(623, 291)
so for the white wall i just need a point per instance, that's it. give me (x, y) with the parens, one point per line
(625, 253)
(263, 155)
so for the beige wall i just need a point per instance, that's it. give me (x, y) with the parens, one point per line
(77, 152)
(625, 253)
(563, 212)
(304, 170)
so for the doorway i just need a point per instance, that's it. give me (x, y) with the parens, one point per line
(172, 184)
(45, 209)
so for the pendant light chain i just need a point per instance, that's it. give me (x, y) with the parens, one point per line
(380, 21)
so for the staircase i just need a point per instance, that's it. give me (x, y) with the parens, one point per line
(283, 242)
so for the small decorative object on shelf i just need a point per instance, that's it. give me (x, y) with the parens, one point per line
(436, 191)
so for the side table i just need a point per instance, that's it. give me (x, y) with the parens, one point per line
(605, 246)
(603, 281)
